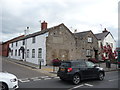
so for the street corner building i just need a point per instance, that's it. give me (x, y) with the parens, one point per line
(55, 42)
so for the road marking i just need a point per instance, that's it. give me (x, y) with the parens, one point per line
(76, 87)
(36, 79)
(44, 76)
(47, 78)
(88, 85)
(113, 79)
(56, 77)
(24, 80)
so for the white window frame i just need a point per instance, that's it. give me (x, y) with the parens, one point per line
(39, 52)
(28, 51)
(88, 52)
(90, 39)
(33, 53)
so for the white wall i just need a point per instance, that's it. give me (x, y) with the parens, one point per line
(40, 42)
(14, 48)
(109, 39)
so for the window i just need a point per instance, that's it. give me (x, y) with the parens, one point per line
(107, 43)
(33, 40)
(12, 44)
(89, 39)
(33, 53)
(88, 52)
(90, 64)
(23, 42)
(40, 53)
(16, 52)
(27, 53)
(16, 43)
(111, 44)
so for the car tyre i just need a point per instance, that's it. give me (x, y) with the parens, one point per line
(3, 86)
(101, 76)
(76, 79)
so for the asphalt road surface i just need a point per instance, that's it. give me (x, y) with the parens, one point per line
(31, 78)
(20, 71)
(110, 81)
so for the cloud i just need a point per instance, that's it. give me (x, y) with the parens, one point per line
(78, 14)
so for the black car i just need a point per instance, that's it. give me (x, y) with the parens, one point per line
(77, 70)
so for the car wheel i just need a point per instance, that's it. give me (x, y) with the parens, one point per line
(76, 79)
(3, 86)
(101, 76)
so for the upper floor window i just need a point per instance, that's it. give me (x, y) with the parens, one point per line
(33, 53)
(90, 39)
(23, 42)
(12, 44)
(33, 40)
(111, 44)
(16, 43)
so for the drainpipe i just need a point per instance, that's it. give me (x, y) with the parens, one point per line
(25, 31)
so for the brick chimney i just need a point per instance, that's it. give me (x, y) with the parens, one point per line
(105, 30)
(43, 25)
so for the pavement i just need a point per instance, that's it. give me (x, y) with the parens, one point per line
(52, 71)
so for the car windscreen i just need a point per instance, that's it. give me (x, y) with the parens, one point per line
(65, 64)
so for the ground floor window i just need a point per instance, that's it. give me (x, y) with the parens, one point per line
(39, 52)
(88, 52)
(19, 52)
(33, 53)
(27, 53)
(11, 52)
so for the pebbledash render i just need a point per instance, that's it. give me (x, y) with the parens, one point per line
(55, 42)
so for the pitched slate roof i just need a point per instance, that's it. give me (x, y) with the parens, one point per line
(38, 33)
(101, 36)
(81, 34)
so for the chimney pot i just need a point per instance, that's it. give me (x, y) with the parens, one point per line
(43, 25)
(105, 30)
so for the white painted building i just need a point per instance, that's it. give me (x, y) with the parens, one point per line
(31, 48)
(104, 39)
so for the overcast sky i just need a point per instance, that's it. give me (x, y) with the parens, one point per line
(82, 15)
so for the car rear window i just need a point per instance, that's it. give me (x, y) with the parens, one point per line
(66, 64)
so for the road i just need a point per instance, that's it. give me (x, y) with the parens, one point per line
(110, 81)
(19, 70)
(31, 78)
